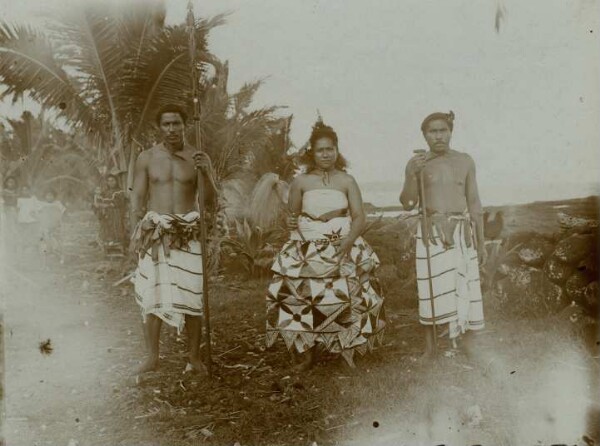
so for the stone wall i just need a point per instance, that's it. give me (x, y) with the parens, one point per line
(552, 270)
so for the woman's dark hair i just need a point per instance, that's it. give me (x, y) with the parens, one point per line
(171, 108)
(320, 130)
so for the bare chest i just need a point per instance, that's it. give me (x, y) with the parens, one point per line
(165, 168)
(446, 173)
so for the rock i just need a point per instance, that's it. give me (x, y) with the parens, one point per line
(73, 442)
(501, 289)
(520, 276)
(503, 270)
(576, 285)
(592, 297)
(567, 222)
(541, 288)
(557, 271)
(590, 264)
(535, 252)
(574, 248)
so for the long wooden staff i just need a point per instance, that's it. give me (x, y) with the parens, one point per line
(191, 22)
(425, 228)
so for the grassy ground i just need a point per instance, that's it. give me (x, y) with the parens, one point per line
(518, 382)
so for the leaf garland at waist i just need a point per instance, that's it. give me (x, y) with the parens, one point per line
(445, 224)
(171, 231)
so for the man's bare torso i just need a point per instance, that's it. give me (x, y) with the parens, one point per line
(445, 180)
(172, 180)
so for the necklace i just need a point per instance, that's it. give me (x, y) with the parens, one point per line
(325, 175)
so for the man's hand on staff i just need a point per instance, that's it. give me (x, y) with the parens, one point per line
(416, 163)
(202, 162)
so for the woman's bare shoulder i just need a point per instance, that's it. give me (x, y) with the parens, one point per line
(347, 179)
(299, 180)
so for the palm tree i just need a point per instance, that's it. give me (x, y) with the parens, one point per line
(103, 69)
(243, 143)
(41, 155)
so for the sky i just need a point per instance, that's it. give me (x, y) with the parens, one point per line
(526, 99)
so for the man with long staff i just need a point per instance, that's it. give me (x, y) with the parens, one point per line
(424, 224)
(199, 156)
(170, 276)
(449, 241)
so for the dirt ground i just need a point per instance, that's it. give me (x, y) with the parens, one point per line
(518, 382)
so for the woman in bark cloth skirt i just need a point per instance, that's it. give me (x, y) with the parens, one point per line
(323, 293)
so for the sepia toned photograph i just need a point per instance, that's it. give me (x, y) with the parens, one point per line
(299, 222)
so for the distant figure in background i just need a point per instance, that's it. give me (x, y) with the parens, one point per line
(454, 232)
(10, 194)
(50, 214)
(29, 227)
(98, 211)
(110, 206)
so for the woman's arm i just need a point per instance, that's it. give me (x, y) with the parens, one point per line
(357, 211)
(295, 196)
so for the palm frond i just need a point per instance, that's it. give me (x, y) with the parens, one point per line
(243, 98)
(164, 72)
(29, 66)
(92, 40)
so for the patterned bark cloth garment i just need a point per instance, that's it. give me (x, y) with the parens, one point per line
(454, 274)
(168, 280)
(314, 300)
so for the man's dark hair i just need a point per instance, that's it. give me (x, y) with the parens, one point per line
(448, 117)
(171, 108)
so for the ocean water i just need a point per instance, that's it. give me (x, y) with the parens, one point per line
(383, 194)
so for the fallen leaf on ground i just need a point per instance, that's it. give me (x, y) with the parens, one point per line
(207, 433)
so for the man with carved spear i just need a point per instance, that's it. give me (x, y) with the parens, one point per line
(169, 279)
(176, 183)
(450, 237)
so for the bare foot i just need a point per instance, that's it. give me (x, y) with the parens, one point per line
(428, 355)
(196, 366)
(307, 362)
(149, 365)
